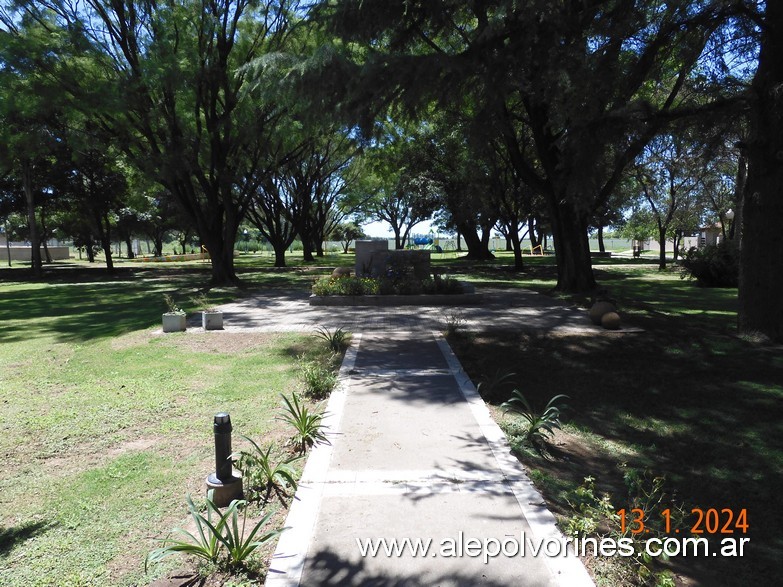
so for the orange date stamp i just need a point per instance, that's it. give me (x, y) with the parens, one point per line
(720, 521)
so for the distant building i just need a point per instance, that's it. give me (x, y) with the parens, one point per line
(710, 235)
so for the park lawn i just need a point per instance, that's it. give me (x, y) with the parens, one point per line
(107, 424)
(686, 399)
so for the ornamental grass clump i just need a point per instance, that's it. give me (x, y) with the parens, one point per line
(540, 425)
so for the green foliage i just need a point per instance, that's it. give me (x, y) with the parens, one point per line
(539, 425)
(215, 532)
(307, 424)
(206, 545)
(238, 545)
(261, 474)
(345, 286)
(594, 515)
(491, 387)
(201, 301)
(590, 510)
(712, 266)
(454, 320)
(446, 285)
(319, 379)
(171, 305)
(338, 340)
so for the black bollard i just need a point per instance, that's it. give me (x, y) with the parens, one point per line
(223, 465)
(222, 482)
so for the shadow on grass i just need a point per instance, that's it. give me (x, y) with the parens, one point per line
(78, 305)
(703, 409)
(11, 537)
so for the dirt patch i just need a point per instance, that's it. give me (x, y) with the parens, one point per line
(224, 342)
(130, 340)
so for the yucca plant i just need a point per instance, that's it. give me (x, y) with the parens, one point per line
(491, 387)
(539, 425)
(226, 533)
(338, 340)
(207, 542)
(306, 423)
(238, 546)
(262, 473)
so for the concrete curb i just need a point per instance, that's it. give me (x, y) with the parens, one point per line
(569, 570)
(288, 561)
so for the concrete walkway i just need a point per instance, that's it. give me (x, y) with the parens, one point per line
(415, 454)
(280, 311)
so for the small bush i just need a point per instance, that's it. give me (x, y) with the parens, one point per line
(712, 266)
(319, 379)
(217, 532)
(338, 339)
(345, 286)
(306, 423)
(540, 425)
(261, 474)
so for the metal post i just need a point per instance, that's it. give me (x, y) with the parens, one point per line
(226, 486)
(223, 465)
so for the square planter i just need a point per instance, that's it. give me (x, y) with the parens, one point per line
(212, 320)
(173, 322)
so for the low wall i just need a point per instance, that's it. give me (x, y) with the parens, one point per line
(26, 253)
(172, 258)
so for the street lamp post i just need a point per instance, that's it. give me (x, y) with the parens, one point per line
(730, 217)
(246, 237)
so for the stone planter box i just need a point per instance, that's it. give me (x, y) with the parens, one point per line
(174, 323)
(212, 320)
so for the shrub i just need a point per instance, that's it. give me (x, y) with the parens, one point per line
(319, 379)
(306, 423)
(539, 425)
(216, 532)
(338, 339)
(712, 266)
(261, 473)
(345, 286)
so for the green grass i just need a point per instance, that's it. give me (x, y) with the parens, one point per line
(106, 425)
(686, 398)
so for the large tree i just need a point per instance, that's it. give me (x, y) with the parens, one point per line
(167, 81)
(761, 268)
(575, 89)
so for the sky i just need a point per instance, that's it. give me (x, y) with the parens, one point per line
(383, 230)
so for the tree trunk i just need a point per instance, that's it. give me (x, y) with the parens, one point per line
(532, 231)
(509, 242)
(279, 249)
(661, 247)
(105, 236)
(129, 247)
(7, 244)
(739, 195)
(516, 243)
(477, 247)
(459, 241)
(307, 250)
(761, 270)
(35, 244)
(572, 249)
(601, 245)
(158, 242)
(221, 255)
(397, 238)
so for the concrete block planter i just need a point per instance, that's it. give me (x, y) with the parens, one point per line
(212, 320)
(174, 322)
